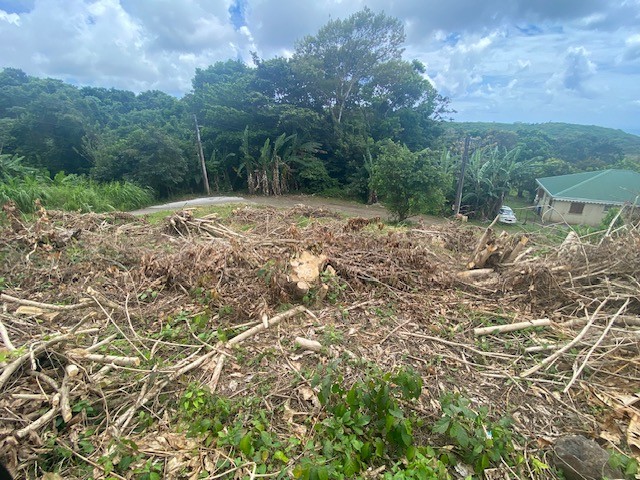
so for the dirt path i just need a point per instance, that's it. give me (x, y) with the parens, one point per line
(346, 207)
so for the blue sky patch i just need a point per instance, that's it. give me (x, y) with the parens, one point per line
(237, 13)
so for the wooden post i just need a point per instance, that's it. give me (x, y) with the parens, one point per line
(205, 177)
(463, 168)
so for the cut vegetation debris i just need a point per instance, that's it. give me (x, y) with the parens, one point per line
(294, 344)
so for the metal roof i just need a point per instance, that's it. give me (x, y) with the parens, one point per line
(614, 187)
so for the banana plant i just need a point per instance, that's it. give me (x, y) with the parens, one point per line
(247, 162)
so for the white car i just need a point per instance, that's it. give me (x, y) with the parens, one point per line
(506, 215)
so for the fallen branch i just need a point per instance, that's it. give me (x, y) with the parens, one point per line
(160, 386)
(568, 346)
(4, 335)
(274, 321)
(43, 420)
(576, 374)
(543, 322)
(81, 354)
(476, 274)
(45, 306)
(215, 378)
(307, 344)
(17, 363)
(65, 403)
(217, 371)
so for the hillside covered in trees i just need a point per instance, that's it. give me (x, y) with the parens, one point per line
(346, 114)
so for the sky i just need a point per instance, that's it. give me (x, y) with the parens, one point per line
(532, 61)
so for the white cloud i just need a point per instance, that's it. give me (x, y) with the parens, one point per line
(578, 69)
(12, 18)
(632, 47)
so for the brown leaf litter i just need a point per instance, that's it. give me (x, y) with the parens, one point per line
(152, 308)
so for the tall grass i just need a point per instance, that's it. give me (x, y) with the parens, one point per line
(73, 193)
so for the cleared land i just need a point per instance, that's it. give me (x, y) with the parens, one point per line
(200, 348)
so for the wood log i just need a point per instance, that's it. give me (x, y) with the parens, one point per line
(477, 274)
(485, 237)
(481, 258)
(512, 327)
(307, 344)
(81, 354)
(517, 249)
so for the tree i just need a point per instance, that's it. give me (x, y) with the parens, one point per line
(407, 182)
(341, 59)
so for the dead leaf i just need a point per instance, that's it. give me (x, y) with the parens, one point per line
(27, 310)
(309, 395)
(288, 413)
(51, 476)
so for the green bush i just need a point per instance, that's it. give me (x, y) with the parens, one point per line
(407, 182)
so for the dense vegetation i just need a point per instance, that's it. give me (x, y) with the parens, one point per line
(319, 121)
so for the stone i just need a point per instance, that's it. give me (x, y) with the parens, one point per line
(582, 459)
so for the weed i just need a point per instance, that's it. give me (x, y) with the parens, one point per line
(148, 295)
(337, 286)
(331, 335)
(479, 441)
(365, 424)
(628, 465)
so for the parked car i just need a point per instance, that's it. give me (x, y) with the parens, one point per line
(506, 215)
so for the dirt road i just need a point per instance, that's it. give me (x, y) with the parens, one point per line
(346, 207)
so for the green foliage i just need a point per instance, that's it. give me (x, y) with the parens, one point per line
(479, 441)
(290, 124)
(424, 465)
(204, 413)
(73, 193)
(407, 182)
(362, 426)
(608, 218)
(491, 174)
(628, 465)
(570, 142)
(365, 424)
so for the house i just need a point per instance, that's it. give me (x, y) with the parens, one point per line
(585, 198)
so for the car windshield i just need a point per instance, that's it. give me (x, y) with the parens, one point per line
(506, 211)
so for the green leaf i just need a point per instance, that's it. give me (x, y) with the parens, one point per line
(459, 434)
(442, 425)
(280, 455)
(350, 466)
(245, 445)
(323, 473)
(411, 453)
(356, 444)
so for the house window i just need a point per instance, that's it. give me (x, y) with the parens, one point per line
(608, 207)
(576, 208)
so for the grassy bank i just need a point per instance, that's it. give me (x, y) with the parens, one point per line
(73, 193)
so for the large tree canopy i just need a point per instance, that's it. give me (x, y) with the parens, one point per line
(346, 57)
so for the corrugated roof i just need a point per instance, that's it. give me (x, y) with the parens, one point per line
(605, 186)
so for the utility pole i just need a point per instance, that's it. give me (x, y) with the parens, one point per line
(205, 177)
(463, 168)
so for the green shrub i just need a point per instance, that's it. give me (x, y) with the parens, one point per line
(407, 182)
